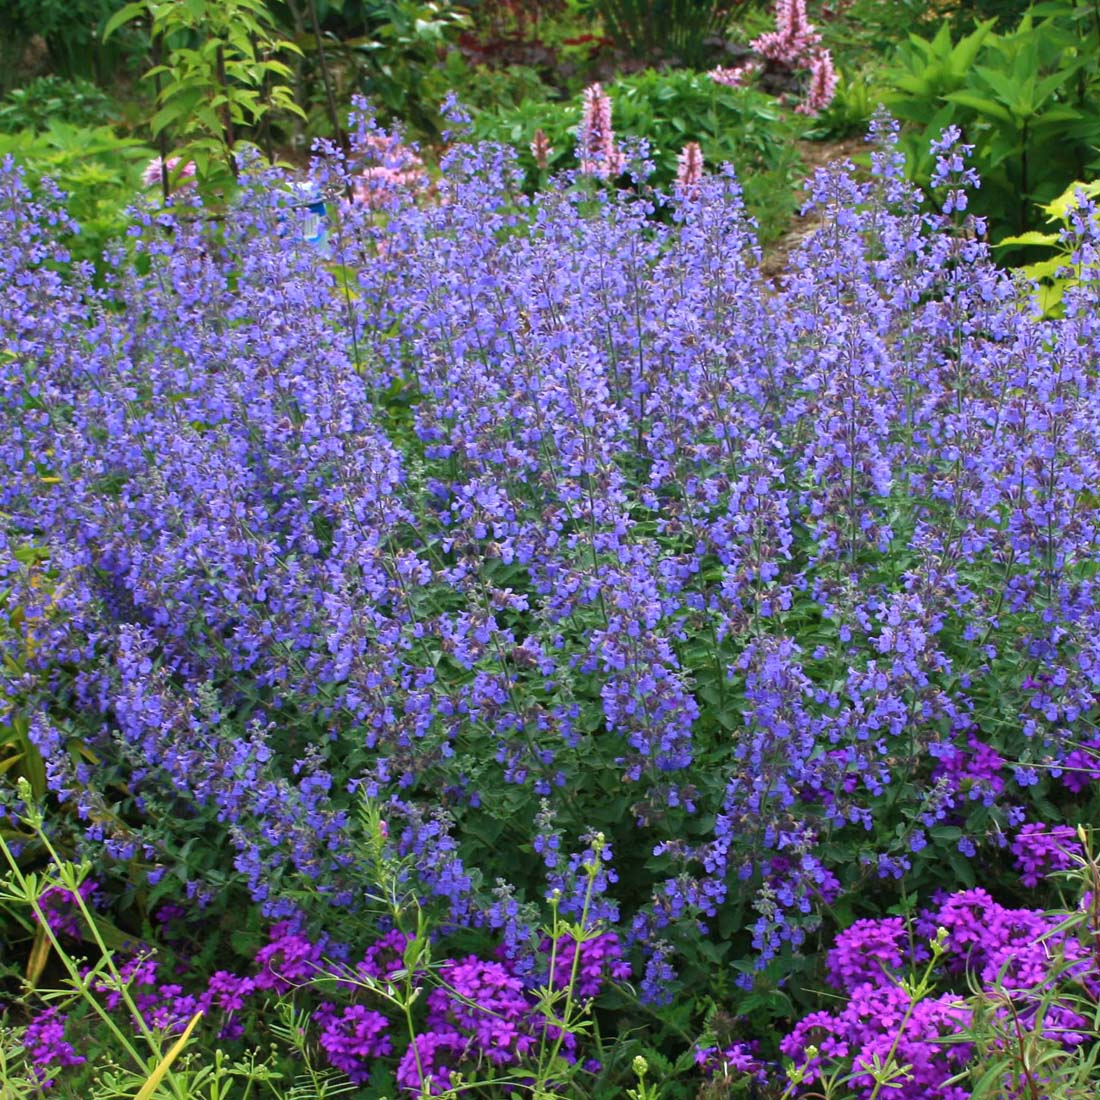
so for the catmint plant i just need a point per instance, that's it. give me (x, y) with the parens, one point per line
(738, 610)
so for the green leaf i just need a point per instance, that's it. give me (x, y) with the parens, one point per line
(1045, 269)
(1046, 88)
(964, 872)
(1011, 93)
(1050, 297)
(1060, 207)
(981, 104)
(1031, 237)
(1059, 113)
(968, 48)
(166, 116)
(124, 15)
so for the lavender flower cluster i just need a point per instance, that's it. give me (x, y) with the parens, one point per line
(789, 590)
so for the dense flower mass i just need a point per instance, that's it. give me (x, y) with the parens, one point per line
(47, 1048)
(352, 1037)
(1008, 954)
(1040, 849)
(615, 572)
(478, 1011)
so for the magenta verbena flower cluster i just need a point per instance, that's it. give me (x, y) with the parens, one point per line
(480, 1013)
(533, 517)
(1010, 956)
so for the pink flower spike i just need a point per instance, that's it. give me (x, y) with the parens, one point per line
(599, 156)
(735, 76)
(152, 174)
(794, 38)
(541, 149)
(689, 169)
(823, 80)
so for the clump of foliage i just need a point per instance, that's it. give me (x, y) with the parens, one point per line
(739, 126)
(52, 99)
(1027, 99)
(71, 31)
(713, 614)
(400, 53)
(98, 171)
(681, 29)
(216, 68)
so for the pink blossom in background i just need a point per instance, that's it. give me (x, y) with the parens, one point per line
(822, 87)
(794, 38)
(736, 75)
(689, 170)
(793, 45)
(599, 155)
(397, 169)
(152, 174)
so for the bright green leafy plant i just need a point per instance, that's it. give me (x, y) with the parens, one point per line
(99, 172)
(1026, 99)
(219, 74)
(1055, 273)
(858, 96)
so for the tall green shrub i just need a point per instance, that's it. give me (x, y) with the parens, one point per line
(1028, 100)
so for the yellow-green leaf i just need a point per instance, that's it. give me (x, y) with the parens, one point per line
(1030, 237)
(161, 1071)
